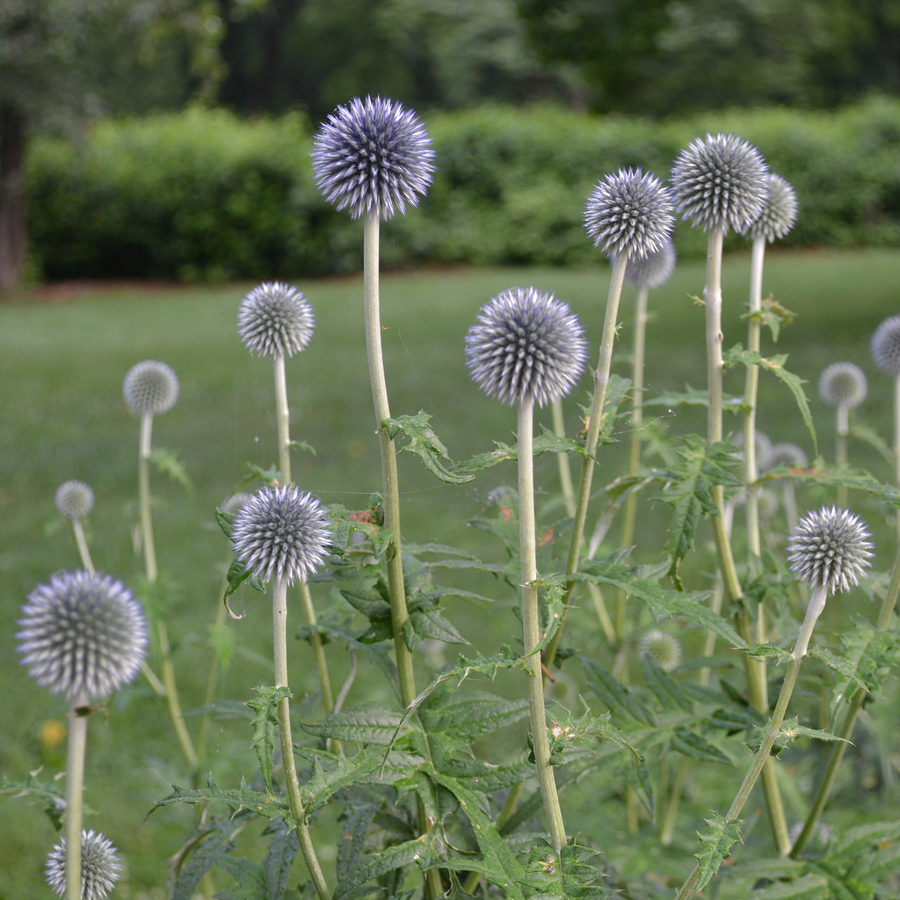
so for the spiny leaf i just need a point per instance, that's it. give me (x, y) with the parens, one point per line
(355, 823)
(697, 747)
(238, 573)
(716, 846)
(807, 887)
(424, 443)
(207, 855)
(276, 864)
(369, 723)
(772, 314)
(265, 721)
(432, 625)
(588, 727)
(266, 805)
(687, 606)
(168, 464)
(868, 655)
(688, 397)
(51, 794)
(618, 697)
(864, 837)
(469, 714)
(567, 875)
(664, 687)
(334, 772)
(835, 476)
(373, 865)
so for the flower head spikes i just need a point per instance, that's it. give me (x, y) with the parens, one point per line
(82, 635)
(843, 384)
(101, 867)
(275, 320)
(885, 346)
(720, 182)
(779, 212)
(830, 548)
(629, 212)
(662, 648)
(373, 156)
(784, 454)
(74, 500)
(282, 532)
(653, 270)
(150, 388)
(526, 344)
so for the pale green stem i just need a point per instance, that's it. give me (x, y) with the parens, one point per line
(751, 468)
(813, 611)
(532, 625)
(756, 673)
(897, 441)
(212, 675)
(601, 380)
(282, 414)
(78, 723)
(168, 670)
(637, 421)
(668, 823)
(292, 784)
(840, 447)
(318, 649)
(839, 747)
(565, 473)
(83, 551)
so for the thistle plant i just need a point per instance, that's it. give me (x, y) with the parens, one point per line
(842, 385)
(74, 501)
(885, 347)
(829, 551)
(151, 388)
(84, 636)
(101, 867)
(525, 348)
(283, 533)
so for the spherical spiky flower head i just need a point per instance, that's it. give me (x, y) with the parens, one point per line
(843, 384)
(762, 444)
(150, 388)
(275, 320)
(720, 182)
(654, 269)
(82, 635)
(629, 212)
(886, 346)
(526, 344)
(74, 500)
(282, 532)
(100, 866)
(662, 648)
(830, 548)
(784, 454)
(779, 211)
(373, 156)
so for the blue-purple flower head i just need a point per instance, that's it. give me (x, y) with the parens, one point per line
(275, 320)
(150, 388)
(629, 212)
(654, 270)
(525, 345)
(373, 157)
(720, 182)
(101, 867)
(830, 548)
(779, 212)
(885, 346)
(282, 532)
(82, 635)
(843, 384)
(74, 499)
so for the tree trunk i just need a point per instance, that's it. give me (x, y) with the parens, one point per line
(13, 222)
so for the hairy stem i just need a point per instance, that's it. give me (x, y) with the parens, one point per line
(77, 748)
(532, 626)
(83, 551)
(282, 414)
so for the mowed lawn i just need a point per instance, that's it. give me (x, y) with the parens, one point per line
(62, 361)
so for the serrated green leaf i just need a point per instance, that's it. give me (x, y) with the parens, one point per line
(873, 439)
(469, 714)
(716, 844)
(569, 729)
(373, 865)
(687, 606)
(879, 866)
(334, 772)
(617, 696)
(567, 875)
(431, 624)
(251, 881)
(835, 476)
(266, 805)
(355, 823)
(238, 573)
(276, 864)
(225, 521)
(688, 397)
(207, 855)
(869, 654)
(50, 793)
(168, 464)
(696, 746)
(265, 722)
(807, 887)
(424, 443)
(865, 837)
(369, 723)
(664, 687)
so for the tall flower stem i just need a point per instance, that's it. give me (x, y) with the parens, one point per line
(165, 650)
(846, 730)
(897, 438)
(637, 421)
(761, 759)
(532, 625)
(279, 634)
(756, 675)
(601, 380)
(83, 550)
(77, 747)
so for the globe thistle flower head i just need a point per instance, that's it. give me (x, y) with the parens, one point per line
(373, 156)
(785, 454)
(653, 270)
(830, 548)
(843, 384)
(885, 346)
(779, 211)
(720, 182)
(762, 444)
(101, 867)
(74, 500)
(629, 212)
(232, 505)
(82, 635)
(275, 320)
(662, 648)
(282, 532)
(526, 344)
(150, 388)
(766, 503)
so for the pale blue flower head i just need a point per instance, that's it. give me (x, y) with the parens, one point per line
(275, 320)
(100, 866)
(830, 548)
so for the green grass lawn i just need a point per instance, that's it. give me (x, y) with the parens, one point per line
(62, 416)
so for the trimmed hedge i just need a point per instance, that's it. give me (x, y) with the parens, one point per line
(203, 195)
